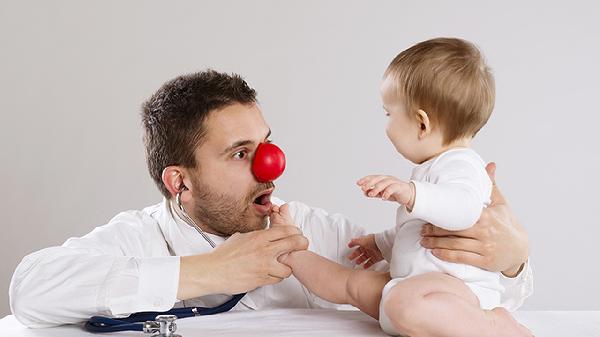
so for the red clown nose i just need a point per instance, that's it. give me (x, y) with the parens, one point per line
(268, 163)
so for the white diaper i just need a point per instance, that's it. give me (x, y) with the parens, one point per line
(384, 321)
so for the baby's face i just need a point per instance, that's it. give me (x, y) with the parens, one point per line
(402, 128)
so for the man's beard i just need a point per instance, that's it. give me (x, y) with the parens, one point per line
(225, 215)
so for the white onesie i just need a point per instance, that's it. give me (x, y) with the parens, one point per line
(451, 191)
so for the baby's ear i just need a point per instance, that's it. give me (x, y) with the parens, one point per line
(424, 123)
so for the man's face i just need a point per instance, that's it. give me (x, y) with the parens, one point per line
(226, 196)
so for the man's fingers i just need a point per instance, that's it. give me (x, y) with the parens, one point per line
(496, 197)
(268, 280)
(464, 244)
(289, 244)
(491, 171)
(429, 230)
(280, 270)
(457, 256)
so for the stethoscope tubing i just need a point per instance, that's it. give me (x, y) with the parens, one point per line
(135, 322)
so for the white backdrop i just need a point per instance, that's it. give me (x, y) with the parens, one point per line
(73, 75)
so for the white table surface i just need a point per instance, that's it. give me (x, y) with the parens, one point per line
(313, 322)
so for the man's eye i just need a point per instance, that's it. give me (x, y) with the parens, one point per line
(240, 154)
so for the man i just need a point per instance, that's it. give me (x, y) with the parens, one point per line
(201, 132)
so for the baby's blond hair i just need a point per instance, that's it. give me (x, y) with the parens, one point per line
(449, 79)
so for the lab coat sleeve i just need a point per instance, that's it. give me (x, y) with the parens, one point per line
(517, 289)
(102, 273)
(454, 195)
(328, 234)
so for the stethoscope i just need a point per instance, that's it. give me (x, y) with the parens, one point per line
(268, 164)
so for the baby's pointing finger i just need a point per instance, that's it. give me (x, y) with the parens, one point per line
(379, 187)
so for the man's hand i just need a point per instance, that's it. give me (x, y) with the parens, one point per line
(497, 242)
(367, 251)
(242, 263)
(388, 188)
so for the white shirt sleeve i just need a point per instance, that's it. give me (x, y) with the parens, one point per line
(103, 273)
(517, 289)
(385, 241)
(454, 195)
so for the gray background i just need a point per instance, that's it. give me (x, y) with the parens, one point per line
(74, 73)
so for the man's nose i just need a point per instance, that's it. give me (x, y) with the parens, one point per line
(268, 163)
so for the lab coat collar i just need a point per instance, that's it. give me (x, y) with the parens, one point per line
(184, 240)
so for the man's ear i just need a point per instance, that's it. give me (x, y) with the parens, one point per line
(424, 123)
(173, 177)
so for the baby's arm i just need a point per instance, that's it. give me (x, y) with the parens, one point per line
(453, 200)
(458, 190)
(388, 188)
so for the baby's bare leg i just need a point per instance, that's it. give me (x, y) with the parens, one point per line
(364, 290)
(336, 283)
(436, 305)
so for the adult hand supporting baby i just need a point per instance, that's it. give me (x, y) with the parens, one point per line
(497, 242)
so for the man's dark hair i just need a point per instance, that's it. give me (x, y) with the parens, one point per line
(173, 118)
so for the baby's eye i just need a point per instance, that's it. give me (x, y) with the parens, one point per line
(240, 154)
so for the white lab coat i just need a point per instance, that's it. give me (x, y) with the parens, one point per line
(131, 264)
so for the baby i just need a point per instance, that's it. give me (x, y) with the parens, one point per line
(437, 94)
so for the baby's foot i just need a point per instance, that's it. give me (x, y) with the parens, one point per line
(280, 216)
(505, 325)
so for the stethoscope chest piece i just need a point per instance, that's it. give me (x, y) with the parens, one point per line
(163, 326)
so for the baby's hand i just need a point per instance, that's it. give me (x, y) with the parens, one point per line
(388, 188)
(367, 251)
(280, 216)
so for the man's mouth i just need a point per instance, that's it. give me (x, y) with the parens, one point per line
(262, 203)
(264, 197)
